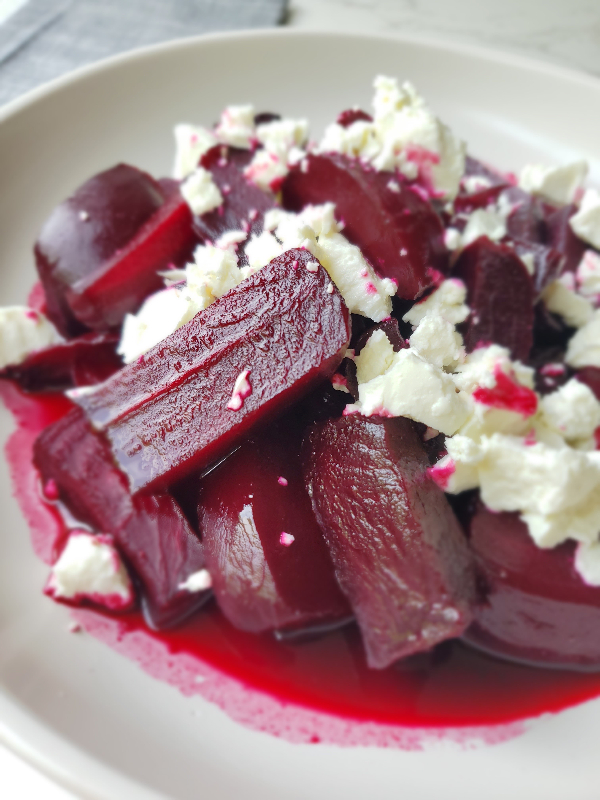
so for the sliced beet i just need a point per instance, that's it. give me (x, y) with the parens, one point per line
(398, 550)
(500, 295)
(244, 204)
(86, 360)
(177, 409)
(474, 167)
(260, 581)
(150, 530)
(526, 220)
(395, 228)
(560, 236)
(352, 115)
(548, 263)
(537, 609)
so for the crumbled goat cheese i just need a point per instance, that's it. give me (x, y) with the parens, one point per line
(472, 184)
(447, 301)
(437, 340)
(529, 262)
(572, 410)
(583, 349)
(197, 582)
(484, 222)
(587, 562)
(191, 143)
(282, 141)
(262, 249)
(90, 567)
(588, 275)
(200, 192)
(557, 184)
(236, 126)
(375, 358)
(586, 222)
(22, 332)
(404, 135)
(561, 298)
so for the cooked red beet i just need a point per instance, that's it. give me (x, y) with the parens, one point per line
(538, 609)
(526, 220)
(269, 564)
(591, 377)
(265, 117)
(500, 296)
(475, 167)
(86, 360)
(150, 530)
(396, 229)
(561, 237)
(351, 115)
(244, 204)
(278, 334)
(399, 553)
(99, 252)
(467, 203)
(548, 263)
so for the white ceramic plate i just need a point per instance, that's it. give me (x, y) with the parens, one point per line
(91, 718)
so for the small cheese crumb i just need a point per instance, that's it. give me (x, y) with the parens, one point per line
(282, 481)
(236, 126)
(197, 582)
(191, 143)
(588, 275)
(560, 298)
(24, 331)
(572, 410)
(583, 349)
(447, 301)
(586, 222)
(286, 539)
(241, 390)
(200, 192)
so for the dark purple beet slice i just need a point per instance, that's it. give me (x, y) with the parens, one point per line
(86, 360)
(538, 609)
(526, 221)
(561, 237)
(399, 552)
(396, 229)
(475, 167)
(351, 115)
(246, 504)
(500, 296)
(548, 263)
(244, 204)
(150, 530)
(174, 411)
(264, 117)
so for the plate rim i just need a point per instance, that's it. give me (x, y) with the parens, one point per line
(72, 780)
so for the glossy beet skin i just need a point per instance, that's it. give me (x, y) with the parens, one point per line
(150, 530)
(399, 553)
(167, 414)
(500, 295)
(84, 361)
(245, 505)
(397, 231)
(538, 609)
(99, 252)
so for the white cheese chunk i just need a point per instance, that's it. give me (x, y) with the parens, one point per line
(22, 332)
(572, 410)
(200, 192)
(236, 126)
(560, 298)
(197, 582)
(557, 184)
(587, 562)
(375, 358)
(437, 340)
(583, 349)
(484, 222)
(90, 567)
(588, 275)
(191, 142)
(447, 301)
(586, 222)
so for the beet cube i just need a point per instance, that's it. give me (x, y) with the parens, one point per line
(267, 557)
(500, 295)
(253, 352)
(150, 530)
(396, 229)
(398, 550)
(99, 252)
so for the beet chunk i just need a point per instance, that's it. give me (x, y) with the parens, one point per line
(396, 229)
(500, 295)
(176, 410)
(99, 252)
(548, 263)
(538, 608)
(560, 236)
(352, 115)
(398, 550)
(86, 360)
(255, 497)
(150, 530)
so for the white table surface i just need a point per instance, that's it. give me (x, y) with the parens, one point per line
(551, 30)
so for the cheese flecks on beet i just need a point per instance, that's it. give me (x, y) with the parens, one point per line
(197, 582)
(191, 142)
(23, 331)
(200, 192)
(557, 184)
(404, 135)
(282, 142)
(241, 390)
(90, 568)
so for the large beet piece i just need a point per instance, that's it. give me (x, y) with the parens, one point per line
(396, 229)
(150, 530)
(399, 553)
(538, 609)
(500, 294)
(194, 396)
(100, 250)
(249, 508)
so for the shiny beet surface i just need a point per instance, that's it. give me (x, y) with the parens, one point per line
(500, 296)
(249, 507)
(171, 412)
(84, 361)
(396, 229)
(99, 252)
(399, 553)
(538, 608)
(149, 530)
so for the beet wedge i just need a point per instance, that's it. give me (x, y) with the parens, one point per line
(150, 530)
(399, 553)
(500, 294)
(395, 228)
(269, 563)
(193, 397)
(99, 253)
